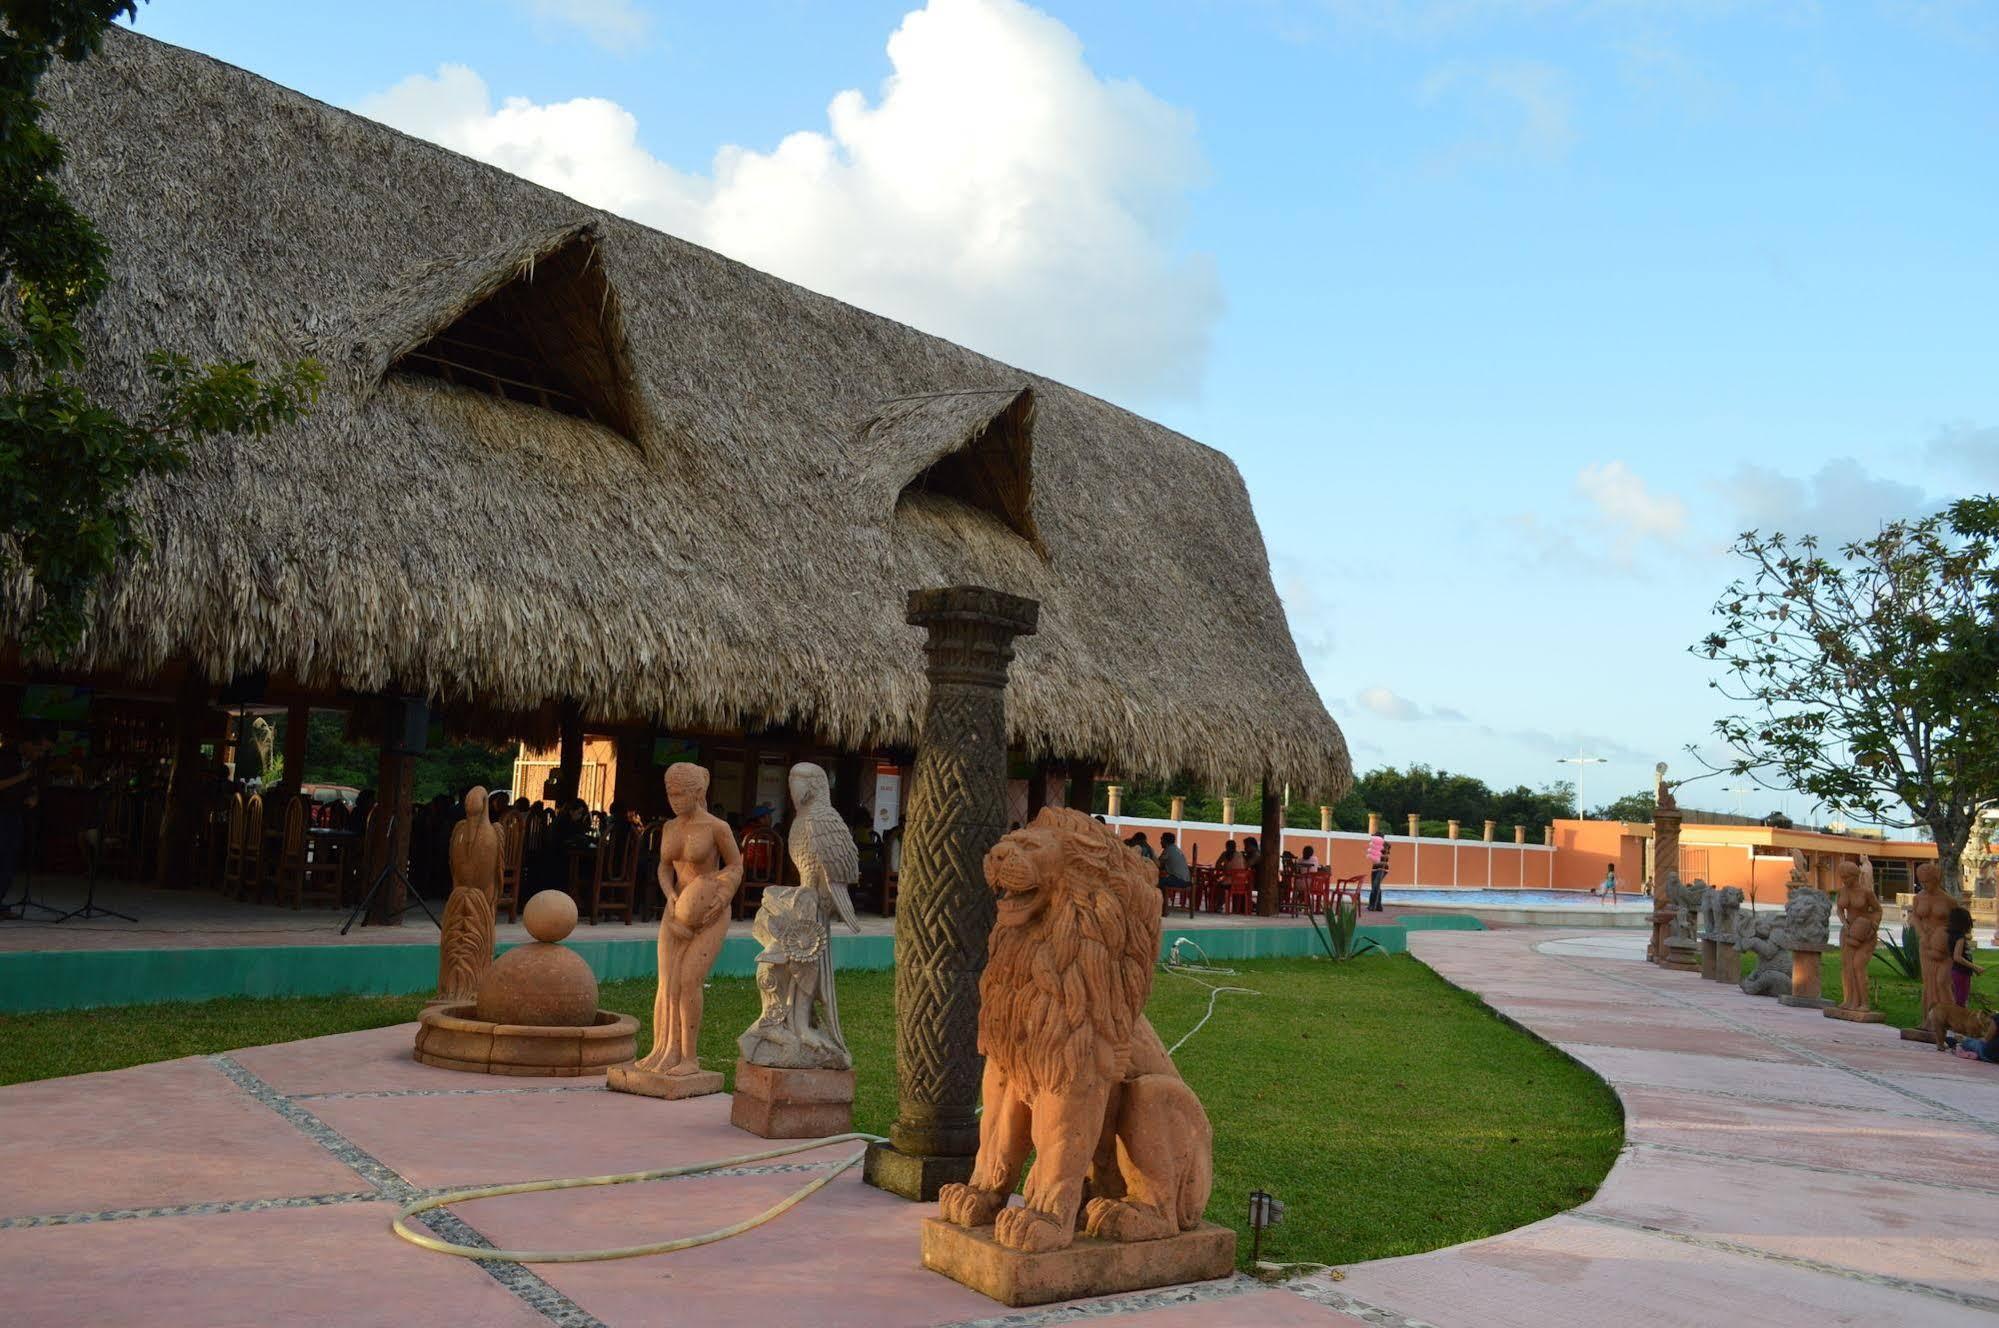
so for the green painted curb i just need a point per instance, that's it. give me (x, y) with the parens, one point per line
(79, 979)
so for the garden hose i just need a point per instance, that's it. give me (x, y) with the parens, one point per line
(427, 1241)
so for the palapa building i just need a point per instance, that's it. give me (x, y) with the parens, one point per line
(569, 472)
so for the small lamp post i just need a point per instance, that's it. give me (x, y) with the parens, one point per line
(1265, 1210)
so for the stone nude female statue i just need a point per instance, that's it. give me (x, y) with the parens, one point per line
(700, 870)
(465, 950)
(1859, 931)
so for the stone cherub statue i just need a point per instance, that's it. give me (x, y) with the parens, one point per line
(1803, 923)
(1686, 901)
(700, 869)
(465, 947)
(1859, 931)
(795, 970)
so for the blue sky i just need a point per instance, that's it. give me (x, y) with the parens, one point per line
(1510, 311)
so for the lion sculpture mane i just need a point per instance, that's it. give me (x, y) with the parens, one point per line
(1074, 1072)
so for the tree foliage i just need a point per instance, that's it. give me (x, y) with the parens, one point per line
(68, 461)
(1637, 806)
(1869, 679)
(1436, 796)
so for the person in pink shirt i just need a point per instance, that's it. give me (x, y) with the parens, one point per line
(1377, 858)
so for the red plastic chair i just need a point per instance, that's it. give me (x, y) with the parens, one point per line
(1238, 886)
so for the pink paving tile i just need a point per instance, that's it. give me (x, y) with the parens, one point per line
(1974, 1095)
(336, 1267)
(1569, 1273)
(1722, 1074)
(371, 1061)
(1704, 1040)
(530, 1136)
(170, 1133)
(849, 1253)
(1888, 1143)
(1922, 1233)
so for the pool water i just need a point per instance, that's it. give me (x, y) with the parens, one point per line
(1469, 897)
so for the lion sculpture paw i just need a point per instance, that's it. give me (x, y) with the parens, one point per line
(1074, 1073)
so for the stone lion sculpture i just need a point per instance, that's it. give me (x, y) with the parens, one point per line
(1718, 910)
(1074, 1072)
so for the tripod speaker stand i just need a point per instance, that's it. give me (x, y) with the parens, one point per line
(93, 847)
(393, 870)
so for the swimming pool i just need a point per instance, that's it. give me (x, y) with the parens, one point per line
(1493, 898)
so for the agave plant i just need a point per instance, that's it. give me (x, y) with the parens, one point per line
(1342, 922)
(1902, 953)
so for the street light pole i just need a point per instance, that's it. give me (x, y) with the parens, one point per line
(1580, 762)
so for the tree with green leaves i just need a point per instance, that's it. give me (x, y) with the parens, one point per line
(69, 460)
(1631, 807)
(1870, 678)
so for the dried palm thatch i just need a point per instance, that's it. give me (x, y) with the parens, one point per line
(718, 526)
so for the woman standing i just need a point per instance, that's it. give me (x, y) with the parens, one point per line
(1377, 857)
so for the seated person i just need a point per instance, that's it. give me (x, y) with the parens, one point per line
(1308, 859)
(1982, 1049)
(1143, 845)
(1252, 852)
(1229, 858)
(1173, 872)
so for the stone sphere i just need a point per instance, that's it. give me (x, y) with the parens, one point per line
(550, 916)
(541, 984)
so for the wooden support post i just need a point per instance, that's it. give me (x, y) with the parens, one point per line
(636, 782)
(185, 783)
(1081, 795)
(395, 786)
(569, 759)
(1273, 849)
(298, 718)
(1037, 789)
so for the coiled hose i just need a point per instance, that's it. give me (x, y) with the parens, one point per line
(423, 1238)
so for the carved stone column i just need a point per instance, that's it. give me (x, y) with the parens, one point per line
(956, 811)
(1665, 859)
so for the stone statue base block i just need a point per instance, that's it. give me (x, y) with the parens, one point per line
(1805, 1002)
(1684, 956)
(914, 1176)
(1919, 1035)
(1710, 951)
(1087, 1268)
(792, 1104)
(671, 1087)
(1727, 964)
(1855, 1016)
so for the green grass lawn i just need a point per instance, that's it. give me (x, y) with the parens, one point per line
(1391, 1112)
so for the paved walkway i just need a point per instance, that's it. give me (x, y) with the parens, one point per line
(1783, 1168)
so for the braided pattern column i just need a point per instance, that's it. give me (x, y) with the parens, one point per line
(956, 811)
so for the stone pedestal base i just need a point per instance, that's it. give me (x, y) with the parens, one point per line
(792, 1104)
(1855, 1016)
(1805, 1002)
(1805, 974)
(1683, 956)
(1919, 1035)
(913, 1175)
(672, 1087)
(1727, 962)
(1709, 958)
(1087, 1268)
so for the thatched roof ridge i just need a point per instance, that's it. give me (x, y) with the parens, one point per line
(747, 564)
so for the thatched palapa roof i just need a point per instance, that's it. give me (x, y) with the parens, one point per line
(563, 455)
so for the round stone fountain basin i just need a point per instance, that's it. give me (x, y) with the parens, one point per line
(451, 1039)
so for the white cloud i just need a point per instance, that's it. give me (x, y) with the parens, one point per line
(1970, 452)
(996, 191)
(1520, 109)
(1391, 705)
(1842, 502)
(1629, 508)
(615, 25)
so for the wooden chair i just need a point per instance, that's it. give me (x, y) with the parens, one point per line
(513, 847)
(1170, 895)
(232, 852)
(763, 865)
(250, 872)
(615, 881)
(307, 872)
(648, 897)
